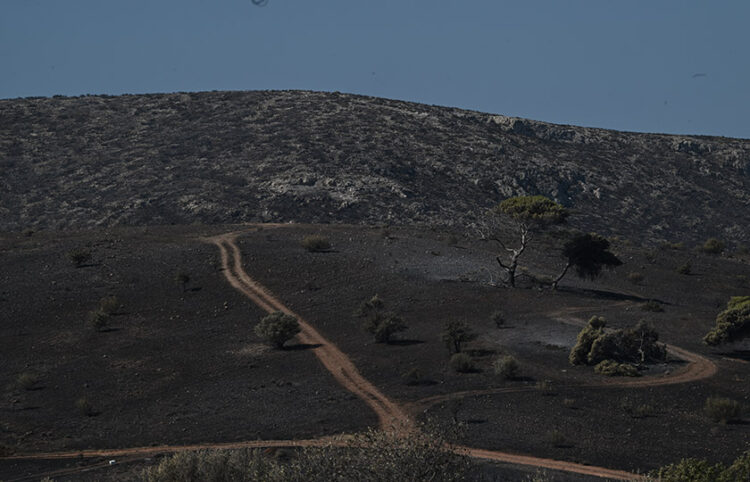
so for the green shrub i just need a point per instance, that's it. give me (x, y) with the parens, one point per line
(97, 319)
(612, 368)
(723, 410)
(731, 324)
(635, 277)
(277, 328)
(507, 367)
(109, 305)
(462, 363)
(316, 243)
(739, 470)
(455, 334)
(545, 387)
(652, 306)
(79, 256)
(415, 377)
(182, 279)
(84, 406)
(27, 380)
(556, 438)
(498, 318)
(713, 246)
(384, 325)
(685, 268)
(594, 329)
(673, 246)
(373, 304)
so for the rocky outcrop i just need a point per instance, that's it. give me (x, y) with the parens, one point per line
(229, 157)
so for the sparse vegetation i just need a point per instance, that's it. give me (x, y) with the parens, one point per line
(556, 438)
(79, 256)
(415, 377)
(316, 243)
(507, 367)
(713, 246)
(697, 470)
(462, 363)
(723, 410)
(498, 318)
(455, 334)
(277, 328)
(731, 324)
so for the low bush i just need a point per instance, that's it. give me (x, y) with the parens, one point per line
(182, 279)
(277, 328)
(673, 246)
(27, 380)
(612, 368)
(713, 246)
(79, 256)
(384, 325)
(109, 305)
(731, 324)
(498, 318)
(316, 243)
(723, 410)
(367, 307)
(97, 319)
(507, 367)
(84, 406)
(635, 277)
(415, 377)
(689, 470)
(545, 387)
(652, 306)
(685, 268)
(556, 438)
(462, 363)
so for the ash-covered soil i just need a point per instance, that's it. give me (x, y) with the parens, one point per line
(230, 157)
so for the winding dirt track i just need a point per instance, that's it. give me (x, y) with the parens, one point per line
(389, 413)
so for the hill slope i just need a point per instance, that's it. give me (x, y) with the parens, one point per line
(228, 157)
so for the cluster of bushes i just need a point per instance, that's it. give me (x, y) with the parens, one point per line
(381, 324)
(372, 455)
(697, 470)
(732, 323)
(617, 352)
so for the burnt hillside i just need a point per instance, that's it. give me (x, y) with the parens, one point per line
(229, 157)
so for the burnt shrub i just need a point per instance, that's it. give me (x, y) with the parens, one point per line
(652, 306)
(635, 277)
(109, 305)
(98, 319)
(27, 380)
(85, 407)
(277, 328)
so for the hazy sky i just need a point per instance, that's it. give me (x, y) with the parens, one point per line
(676, 66)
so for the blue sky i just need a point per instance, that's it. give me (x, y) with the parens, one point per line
(668, 66)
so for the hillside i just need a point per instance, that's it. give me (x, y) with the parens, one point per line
(232, 157)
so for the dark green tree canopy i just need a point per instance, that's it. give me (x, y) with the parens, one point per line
(533, 210)
(588, 254)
